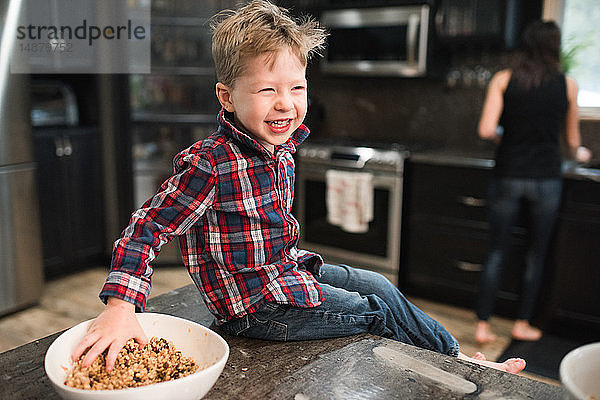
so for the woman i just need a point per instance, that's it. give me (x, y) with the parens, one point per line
(533, 102)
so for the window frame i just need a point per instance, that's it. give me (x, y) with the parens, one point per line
(554, 10)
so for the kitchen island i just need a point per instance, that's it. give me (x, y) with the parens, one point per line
(362, 366)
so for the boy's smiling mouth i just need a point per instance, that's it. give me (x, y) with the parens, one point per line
(280, 125)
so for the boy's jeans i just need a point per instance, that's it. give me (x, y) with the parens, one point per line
(354, 301)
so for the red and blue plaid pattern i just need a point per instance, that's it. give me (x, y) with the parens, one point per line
(229, 202)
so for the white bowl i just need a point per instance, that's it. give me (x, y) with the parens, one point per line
(206, 347)
(580, 372)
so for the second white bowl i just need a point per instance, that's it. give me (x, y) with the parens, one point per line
(580, 372)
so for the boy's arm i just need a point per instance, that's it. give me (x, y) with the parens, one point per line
(111, 330)
(182, 200)
(180, 203)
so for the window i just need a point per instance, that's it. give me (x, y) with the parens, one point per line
(581, 32)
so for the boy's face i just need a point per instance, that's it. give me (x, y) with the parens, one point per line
(269, 99)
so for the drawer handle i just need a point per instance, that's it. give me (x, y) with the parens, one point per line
(68, 149)
(471, 201)
(468, 267)
(59, 148)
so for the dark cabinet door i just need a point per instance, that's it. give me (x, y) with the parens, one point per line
(52, 180)
(86, 195)
(71, 198)
(484, 22)
(576, 289)
(449, 194)
(447, 260)
(446, 236)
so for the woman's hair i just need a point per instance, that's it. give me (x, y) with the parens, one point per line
(258, 28)
(539, 57)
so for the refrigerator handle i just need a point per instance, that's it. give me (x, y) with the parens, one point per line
(59, 148)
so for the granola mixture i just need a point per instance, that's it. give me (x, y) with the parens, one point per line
(158, 361)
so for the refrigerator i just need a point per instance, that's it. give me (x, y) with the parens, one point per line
(21, 274)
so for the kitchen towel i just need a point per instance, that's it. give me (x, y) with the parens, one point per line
(349, 200)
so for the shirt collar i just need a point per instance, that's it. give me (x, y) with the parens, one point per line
(227, 126)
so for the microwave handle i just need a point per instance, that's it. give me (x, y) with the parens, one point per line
(411, 37)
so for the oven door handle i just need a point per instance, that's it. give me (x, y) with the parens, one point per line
(386, 181)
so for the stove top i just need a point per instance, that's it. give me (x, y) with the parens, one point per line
(354, 153)
(355, 157)
(365, 142)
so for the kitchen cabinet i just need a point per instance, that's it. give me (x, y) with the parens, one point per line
(445, 236)
(575, 300)
(175, 105)
(71, 197)
(484, 23)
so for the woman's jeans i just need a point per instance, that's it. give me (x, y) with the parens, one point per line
(354, 301)
(505, 197)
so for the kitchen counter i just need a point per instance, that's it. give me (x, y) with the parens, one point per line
(455, 157)
(362, 366)
(446, 228)
(485, 159)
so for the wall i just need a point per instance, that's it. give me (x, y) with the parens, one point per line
(396, 110)
(419, 111)
(590, 137)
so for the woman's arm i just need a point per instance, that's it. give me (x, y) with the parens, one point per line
(573, 136)
(493, 105)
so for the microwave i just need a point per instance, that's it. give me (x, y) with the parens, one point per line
(384, 41)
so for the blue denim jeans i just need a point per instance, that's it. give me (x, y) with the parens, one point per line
(505, 197)
(354, 301)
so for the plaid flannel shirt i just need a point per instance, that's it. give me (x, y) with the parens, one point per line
(229, 203)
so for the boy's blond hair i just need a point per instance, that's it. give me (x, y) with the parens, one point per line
(257, 28)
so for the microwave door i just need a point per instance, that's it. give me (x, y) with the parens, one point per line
(387, 41)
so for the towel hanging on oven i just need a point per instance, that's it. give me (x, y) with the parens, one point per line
(349, 200)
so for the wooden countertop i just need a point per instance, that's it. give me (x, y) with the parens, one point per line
(355, 367)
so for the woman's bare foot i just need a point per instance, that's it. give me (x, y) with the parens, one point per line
(523, 331)
(512, 365)
(483, 333)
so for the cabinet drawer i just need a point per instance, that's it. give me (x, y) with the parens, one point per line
(582, 200)
(448, 191)
(452, 257)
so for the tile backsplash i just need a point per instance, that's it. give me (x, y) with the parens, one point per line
(406, 110)
(396, 110)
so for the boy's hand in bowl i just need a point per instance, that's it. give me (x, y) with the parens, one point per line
(110, 330)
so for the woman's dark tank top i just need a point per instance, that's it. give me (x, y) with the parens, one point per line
(532, 120)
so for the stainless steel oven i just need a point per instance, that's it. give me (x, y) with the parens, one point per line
(378, 248)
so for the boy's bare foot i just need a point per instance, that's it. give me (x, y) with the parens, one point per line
(512, 365)
(523, 331)
(483, 333)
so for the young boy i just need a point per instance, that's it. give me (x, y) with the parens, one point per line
(229, 203)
